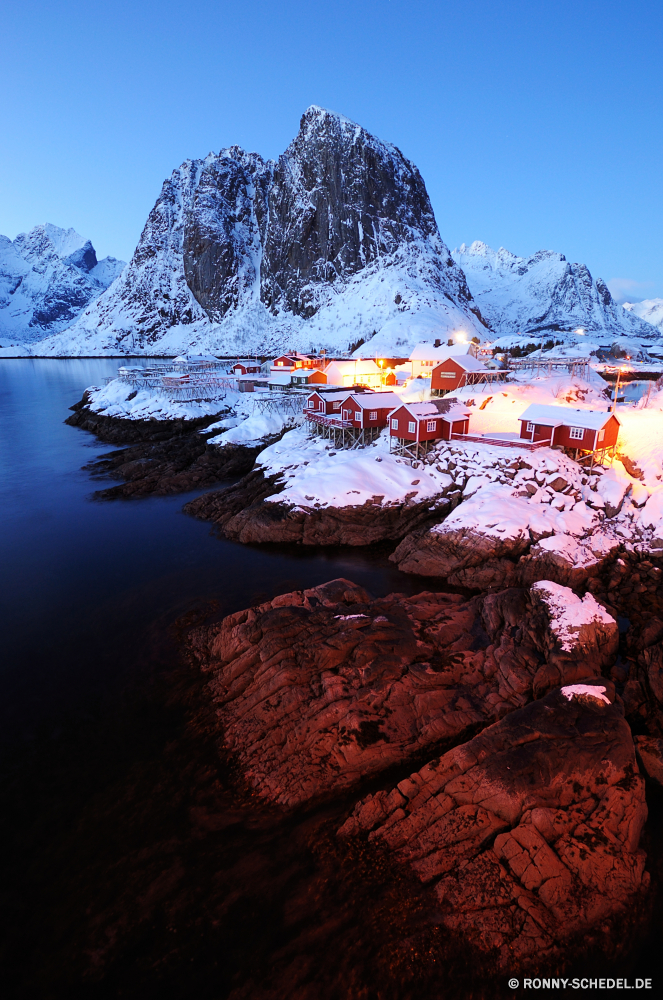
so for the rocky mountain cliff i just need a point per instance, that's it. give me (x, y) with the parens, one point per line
(542, 294)
(651, 310)
(47, 277)
(334, 242)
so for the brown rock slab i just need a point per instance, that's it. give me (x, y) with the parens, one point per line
(320, 688)
(529, 832)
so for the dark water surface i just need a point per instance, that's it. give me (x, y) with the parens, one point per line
(81, 579)
(132, 864)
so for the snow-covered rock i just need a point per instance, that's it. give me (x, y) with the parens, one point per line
(543, 296)
(334, 242)
(651, 310)
(47, 277)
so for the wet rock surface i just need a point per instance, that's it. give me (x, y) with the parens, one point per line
(529, 832)
(244, 514)
(165, 456)
(319, 689)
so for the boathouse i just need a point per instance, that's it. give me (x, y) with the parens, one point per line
(587, 432)
(425, 356)
(464, 369)
(350, 420)
(414, 428)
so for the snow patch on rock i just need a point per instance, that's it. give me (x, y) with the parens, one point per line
(568, 612)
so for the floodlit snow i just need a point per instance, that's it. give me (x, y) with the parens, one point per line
(596, 691)
(568, 612)
(324, 477)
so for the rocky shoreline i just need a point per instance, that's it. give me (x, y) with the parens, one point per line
(162, 456)
(487, 740)
(244, 514)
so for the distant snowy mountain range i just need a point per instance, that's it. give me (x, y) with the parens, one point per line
(543, 294)
(333, 245)
(47, 277)
(651, 310)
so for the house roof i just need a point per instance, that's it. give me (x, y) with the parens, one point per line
(280, 378)
(432, 408)
(376, 400)
(425, 351)
(555, 416)
(468, 362)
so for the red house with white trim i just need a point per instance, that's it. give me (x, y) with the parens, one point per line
(565, 427)
(369, 410)
(415, 427)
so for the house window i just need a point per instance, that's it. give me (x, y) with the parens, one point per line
(394, 424)
(601, 435)
(336, 406)
(279, 364)
(412, 427)
(446, 374)
(576, 433)
(373, 415)
(431, 425)
(530, 427)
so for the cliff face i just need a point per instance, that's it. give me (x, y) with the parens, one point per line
(47, 276)
(334, 242)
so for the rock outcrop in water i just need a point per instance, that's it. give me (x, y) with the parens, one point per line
(332, 242)
(530, 832)
(250, 512)
(320, 688)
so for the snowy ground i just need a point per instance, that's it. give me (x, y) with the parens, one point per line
(118, 399)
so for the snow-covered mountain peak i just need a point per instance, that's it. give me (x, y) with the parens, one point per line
(650, 310)
(334, 243)
(542, 294)
(47, 276)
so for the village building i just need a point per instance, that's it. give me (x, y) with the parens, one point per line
(460, 370)
(354, 372)
(308, 376)
(349, 419)
(586, 432)
(244, 366)
(294, 360)
(425, 356)
(415, 428)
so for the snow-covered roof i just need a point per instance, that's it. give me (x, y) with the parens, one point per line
(425, 351)
(555, 416)
(376, 400)
(433, 409)
(280, 378)
(468, 362)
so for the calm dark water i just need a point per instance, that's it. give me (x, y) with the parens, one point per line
(81, 579)
(131, 866)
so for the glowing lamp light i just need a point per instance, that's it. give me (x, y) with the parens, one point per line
(580, 332)
(460, 337)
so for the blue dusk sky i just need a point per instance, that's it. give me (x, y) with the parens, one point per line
(534, 124)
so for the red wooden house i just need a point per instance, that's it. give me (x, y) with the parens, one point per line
(351, 419)
(460, 370)
(586, 431)
(415, 427)
(246, 368)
